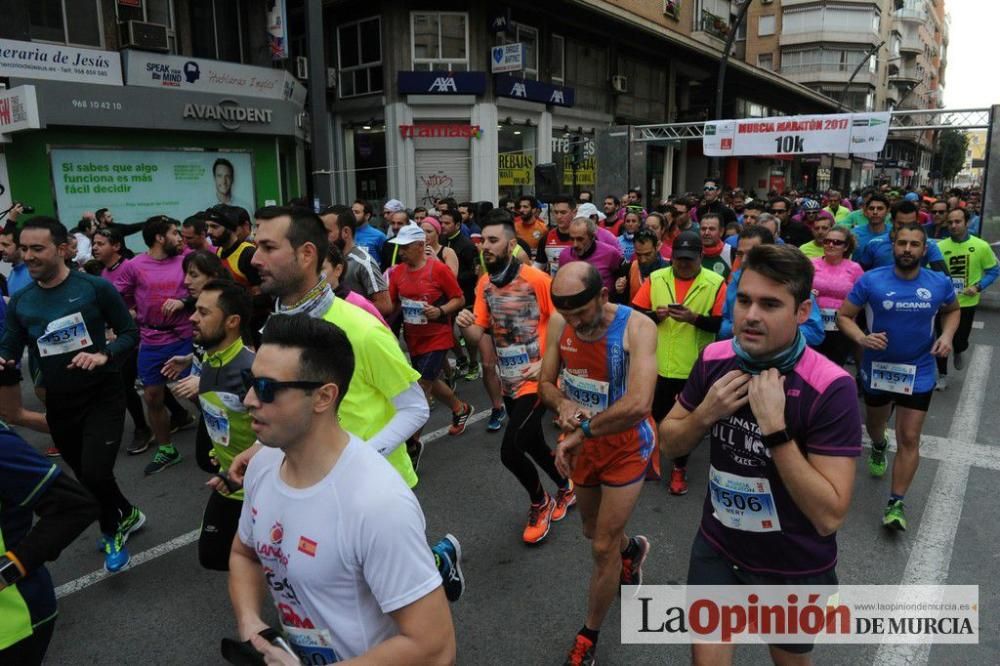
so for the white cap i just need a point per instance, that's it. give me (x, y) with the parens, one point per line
(411, 233)
(589, 210)
(393, 206)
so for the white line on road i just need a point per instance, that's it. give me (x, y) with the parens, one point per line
(978, 324)
(930, 555)
(190, 537)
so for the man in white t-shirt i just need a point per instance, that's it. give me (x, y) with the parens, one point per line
(327, 522)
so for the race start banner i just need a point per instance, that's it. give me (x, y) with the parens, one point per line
(797, 135)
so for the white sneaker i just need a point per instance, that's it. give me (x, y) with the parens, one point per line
(959, 363)
(942, 384)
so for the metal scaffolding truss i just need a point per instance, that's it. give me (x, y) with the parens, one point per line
(900, 121)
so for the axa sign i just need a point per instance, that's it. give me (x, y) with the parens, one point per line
(534, 91)
(229, 113)
(441, 83)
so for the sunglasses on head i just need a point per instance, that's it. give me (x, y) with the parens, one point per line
(836, 242)
(267, 388)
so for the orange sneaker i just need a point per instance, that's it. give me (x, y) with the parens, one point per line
(678, 481)
(539, 520)
(565, 498)
(582, 653)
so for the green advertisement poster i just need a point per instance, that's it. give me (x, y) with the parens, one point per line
(137, 184)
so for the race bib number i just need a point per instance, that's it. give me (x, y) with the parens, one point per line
(552, 253)
(591, 394)
(958, 283)
(314, 646)
(893, 377)
(829, 316)
(196, 366)
(513, 361)
(413, 311)
(743, 503)
(216, 422)
(64, 335)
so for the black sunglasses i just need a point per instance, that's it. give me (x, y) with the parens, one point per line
(267, 388)
(709, 188)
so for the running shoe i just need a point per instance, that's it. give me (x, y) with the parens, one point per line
(638, 549)
(877, 462)
(497, 417)
(958, 361)
(185, 421)
(565, 498)
(894, 517)
(415, 449)
(164, 458)
(448, 554)
(141, 440)
(942, 384)
(582, 653)
(52, 452)
(461, 366)
(539, 520)
(473, 372)
(678, 481)
(133, 522)
(459, 420)
(116, 555)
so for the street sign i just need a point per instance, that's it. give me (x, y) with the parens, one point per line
(507, 58)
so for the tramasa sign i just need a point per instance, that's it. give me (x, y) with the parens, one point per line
(440, 131)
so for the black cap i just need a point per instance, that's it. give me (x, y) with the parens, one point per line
(687, 245)
(228, 216)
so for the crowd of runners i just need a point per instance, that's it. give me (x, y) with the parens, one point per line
(307, 347)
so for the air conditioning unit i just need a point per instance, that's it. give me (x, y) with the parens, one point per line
(619, 83)
(302, 68)
(145, 36)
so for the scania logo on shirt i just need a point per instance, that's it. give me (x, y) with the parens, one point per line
(277, 532)
(925, 294)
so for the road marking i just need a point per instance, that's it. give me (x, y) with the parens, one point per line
(95, 577)
(930, 555)
(978, 324)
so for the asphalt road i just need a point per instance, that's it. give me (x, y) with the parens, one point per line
(524, 604)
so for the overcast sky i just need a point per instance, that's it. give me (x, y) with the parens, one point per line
(970, 79)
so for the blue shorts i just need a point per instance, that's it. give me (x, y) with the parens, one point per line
(430, 365)
(152, 358)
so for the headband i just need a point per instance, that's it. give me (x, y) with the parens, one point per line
(579, 299)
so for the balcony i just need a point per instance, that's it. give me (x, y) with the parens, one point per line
(909, 14)
(820, 34)
(906, 76)
(809, 74)
(713, 25)
(911, 44)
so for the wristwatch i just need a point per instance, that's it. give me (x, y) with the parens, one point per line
(585, 427)
(776, 439)
(10, 573)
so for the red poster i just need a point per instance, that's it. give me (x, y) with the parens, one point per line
(777, 183)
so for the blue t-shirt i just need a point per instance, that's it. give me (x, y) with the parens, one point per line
(812, 328)
(904, 310)
(878, 253)
(864, 235)
(24, 476)
(734, 241)
(371, 239)
(18, 279)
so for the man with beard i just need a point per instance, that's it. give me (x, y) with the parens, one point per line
(362, 274)
(153, 284)
(602, 356)
(898, 365)
(647, 259)
(62, 317)
(222, 222)
(713, 204)
(221, 313)
(513, 301)
(385, 404)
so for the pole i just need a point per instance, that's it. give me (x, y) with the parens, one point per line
(715, 164)
(322, 147)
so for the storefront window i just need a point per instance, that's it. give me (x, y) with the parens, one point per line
(562, 154)
(516, 159)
